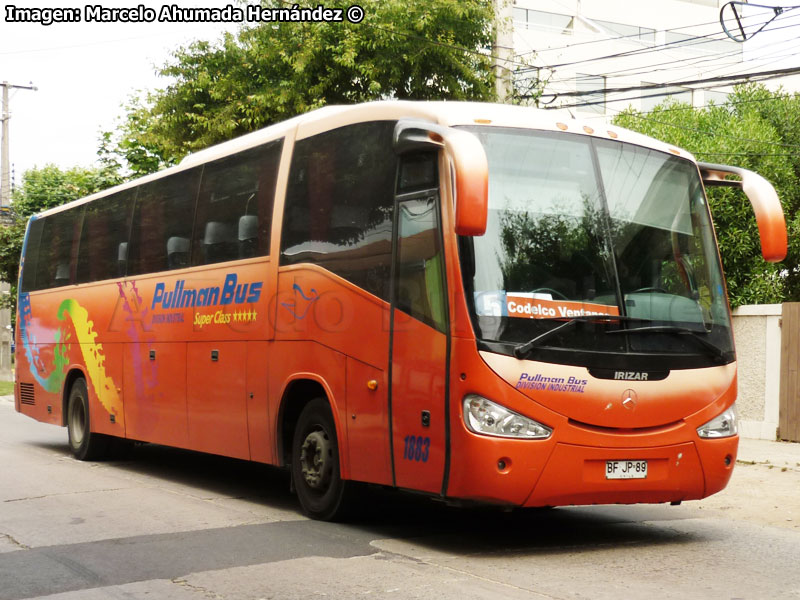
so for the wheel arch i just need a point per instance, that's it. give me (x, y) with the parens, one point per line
(298, 391)
(73, 374)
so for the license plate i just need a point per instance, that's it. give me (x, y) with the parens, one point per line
(626, 469)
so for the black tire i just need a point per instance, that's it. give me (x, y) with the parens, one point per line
(84, 444)
(316, 476)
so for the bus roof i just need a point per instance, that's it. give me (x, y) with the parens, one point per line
(441, 112)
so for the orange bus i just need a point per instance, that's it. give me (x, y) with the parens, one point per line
(472, 301)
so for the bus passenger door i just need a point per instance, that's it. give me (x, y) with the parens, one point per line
(419, 324)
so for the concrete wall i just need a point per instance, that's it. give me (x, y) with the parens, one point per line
(757, 332)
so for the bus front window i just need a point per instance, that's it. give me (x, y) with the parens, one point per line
(613, 236)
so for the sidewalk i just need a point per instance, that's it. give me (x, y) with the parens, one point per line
(777, 454)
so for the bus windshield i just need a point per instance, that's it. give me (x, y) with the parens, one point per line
(615, 238)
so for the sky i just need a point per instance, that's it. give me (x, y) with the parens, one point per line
(84, 73)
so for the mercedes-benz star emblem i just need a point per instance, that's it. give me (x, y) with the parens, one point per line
(629, 399)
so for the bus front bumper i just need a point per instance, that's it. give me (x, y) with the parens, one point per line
(586, 475)
(561, 473)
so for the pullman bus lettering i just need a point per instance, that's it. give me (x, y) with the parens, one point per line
(231, 293)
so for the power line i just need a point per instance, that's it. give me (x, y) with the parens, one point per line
(690, 61)
(777, 11)
(654, 86)
(696, 41)
(690, 42)
(623, 37)
(659, 67)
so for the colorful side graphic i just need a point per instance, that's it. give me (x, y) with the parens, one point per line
(93, 358)
(92, 353)
(55, 379)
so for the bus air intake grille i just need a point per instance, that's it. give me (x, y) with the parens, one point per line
(627, 430)
(26, 394)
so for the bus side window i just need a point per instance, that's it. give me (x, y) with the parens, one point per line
(234, 207)
(58, 252)
(162, 223)
(340, 203)
(105, 230)
(30, 259)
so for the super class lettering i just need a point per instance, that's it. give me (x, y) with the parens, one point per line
(231, 292)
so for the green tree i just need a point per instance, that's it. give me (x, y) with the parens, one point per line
(273, 71)
(758, 130)
(43, 188)
(49, 186)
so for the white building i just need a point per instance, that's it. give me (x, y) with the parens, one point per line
(597, 57)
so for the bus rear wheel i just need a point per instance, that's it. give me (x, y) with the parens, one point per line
(315, 464)
(85, 444)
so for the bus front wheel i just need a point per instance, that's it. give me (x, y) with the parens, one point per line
(85, 444)
(315, 463)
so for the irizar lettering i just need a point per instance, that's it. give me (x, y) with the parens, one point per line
(631, 375)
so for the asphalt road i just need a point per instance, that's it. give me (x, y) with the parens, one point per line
(165, 523)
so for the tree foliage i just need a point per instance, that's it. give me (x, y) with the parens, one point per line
(273, 71)
(49, 186)
(758, 130)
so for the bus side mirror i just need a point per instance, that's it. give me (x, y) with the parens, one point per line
(765, 202)
(469, 162)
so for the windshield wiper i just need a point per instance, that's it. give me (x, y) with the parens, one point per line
(522, 349)
(693, 334)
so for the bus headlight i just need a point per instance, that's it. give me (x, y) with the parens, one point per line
(724, 425)
(489, 418)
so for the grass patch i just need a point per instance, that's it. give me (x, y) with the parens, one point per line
(6, 388)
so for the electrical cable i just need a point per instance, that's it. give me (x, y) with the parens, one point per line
(753, 62)
(695, 41)
(777, 11)
(718, 79)
(622, 37)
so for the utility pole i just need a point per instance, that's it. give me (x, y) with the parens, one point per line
(5, 202)
(5, 171)
(503, 49)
